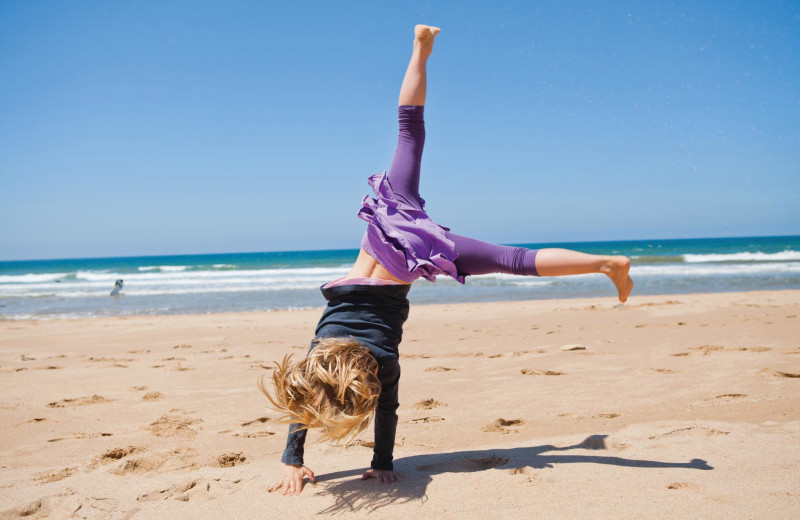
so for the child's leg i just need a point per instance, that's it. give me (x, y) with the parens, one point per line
(476, 257)
(404, 172)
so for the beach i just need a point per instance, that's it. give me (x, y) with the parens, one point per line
(677, 406)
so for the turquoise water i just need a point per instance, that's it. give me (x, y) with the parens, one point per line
(290, 280)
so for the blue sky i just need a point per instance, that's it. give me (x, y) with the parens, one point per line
(197, 127)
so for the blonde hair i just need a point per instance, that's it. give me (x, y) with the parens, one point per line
(335, 388)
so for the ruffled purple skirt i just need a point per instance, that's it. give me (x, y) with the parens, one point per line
(403, 238)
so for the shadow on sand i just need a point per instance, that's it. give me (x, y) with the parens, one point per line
(356, 495)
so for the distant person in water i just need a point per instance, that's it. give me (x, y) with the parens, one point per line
(117, 288)
(352, 370)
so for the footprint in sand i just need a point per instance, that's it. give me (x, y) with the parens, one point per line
(229, 460)
(369, 444)
(79, 401)
(110, 360)
(502, 426)
(152, 396)
(114, 455)
(708, 349)
(363, 444)
(528, 476)
(703, 350)
(538, 372)
(252, 434)
(91, 435)
(55, 476)
(657, 371)
(683, 485)
(690, 430)
(776, 373)
(24, 510)
(140, 465)
(192, 489)
(163, 494)
(727, 397)
(439, 369)
(426, 420)
(118, 453)
(173, 426)
(175, 367)
(260, 420)
(261, 366)
(179, 458)
(428, 404)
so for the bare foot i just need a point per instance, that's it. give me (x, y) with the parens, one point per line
(616, 268)
(424, 35)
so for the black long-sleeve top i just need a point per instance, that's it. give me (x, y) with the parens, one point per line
(374, 315)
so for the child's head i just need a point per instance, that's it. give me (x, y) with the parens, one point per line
(335, 388)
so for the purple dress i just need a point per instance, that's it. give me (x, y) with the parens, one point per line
(403, 238)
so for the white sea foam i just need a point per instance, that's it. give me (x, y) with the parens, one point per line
(783, 256)
(31, 278)
(715, 269)
(164, 268)
(532, 282)
(210, 274)
(223, 266)
(173, 268)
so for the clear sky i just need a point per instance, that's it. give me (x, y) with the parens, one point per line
(133, 128)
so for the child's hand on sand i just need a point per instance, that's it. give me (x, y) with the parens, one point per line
(384, 476)
(292, 483)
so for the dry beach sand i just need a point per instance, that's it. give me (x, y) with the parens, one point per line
(668, 407)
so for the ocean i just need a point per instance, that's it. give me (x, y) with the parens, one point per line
(232, 282)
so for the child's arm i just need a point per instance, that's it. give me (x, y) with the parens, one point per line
(385, 426)
(293, 473)
(295, 445)
(292, 482)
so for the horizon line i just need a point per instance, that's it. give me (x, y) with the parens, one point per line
(356, 249)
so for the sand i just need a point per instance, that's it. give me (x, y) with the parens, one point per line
(667, 407)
